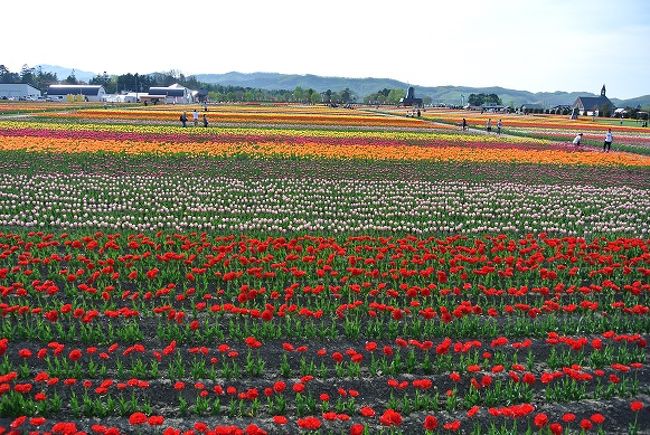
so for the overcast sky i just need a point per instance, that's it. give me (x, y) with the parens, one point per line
(536, 45)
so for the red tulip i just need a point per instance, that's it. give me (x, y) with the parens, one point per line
(453, 426)
(636, 406)
(156, 420)
(280, 420)
(390, 418)
(597, 418)
(309, 423)
(137, 418)
(586, 424)
(568, 417)
(541, 420)
(430, 423)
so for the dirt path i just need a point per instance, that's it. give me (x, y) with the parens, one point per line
(16, 116)
(569, 145)
(444, 125)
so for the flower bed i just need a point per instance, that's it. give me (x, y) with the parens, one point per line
(297, 269)
(126, 331)
(334, 206)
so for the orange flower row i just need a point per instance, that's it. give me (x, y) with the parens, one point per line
(328, 151)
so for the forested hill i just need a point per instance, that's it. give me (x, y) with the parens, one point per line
(365, 86)
(362, 87)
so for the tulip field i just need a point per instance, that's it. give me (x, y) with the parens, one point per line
(299, 269)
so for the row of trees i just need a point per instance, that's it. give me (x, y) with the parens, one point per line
(390, 96)
(636, 112)
(35, 77)
(142, 82)
(480, 99)
(114, 84)
(297, 95)
(385, 96)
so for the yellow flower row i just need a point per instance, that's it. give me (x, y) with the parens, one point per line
(319, 150)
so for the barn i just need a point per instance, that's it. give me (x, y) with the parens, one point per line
(174, 94)
(75, 92)
(18, 92)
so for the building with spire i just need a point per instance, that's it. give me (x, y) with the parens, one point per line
(410, 99)
(594, 106)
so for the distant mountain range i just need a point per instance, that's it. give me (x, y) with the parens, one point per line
(365, 86)
(62, 73)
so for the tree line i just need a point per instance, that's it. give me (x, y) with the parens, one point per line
(120, 83)
(480, 99)
(134, 82)
(35, 77)
(390, 96)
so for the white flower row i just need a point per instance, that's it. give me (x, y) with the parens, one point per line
(297, 205)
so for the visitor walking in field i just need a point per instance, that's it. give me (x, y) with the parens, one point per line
(195, 117)
(205, 120)
(499, 125)
(183, 119)
(464, 124)
(607, 145)
(488, 126)
(577, 140)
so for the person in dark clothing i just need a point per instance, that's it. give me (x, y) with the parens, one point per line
(184, 119)
(464, 124)
(205, 120)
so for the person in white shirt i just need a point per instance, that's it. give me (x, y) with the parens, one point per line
(607, 145)
(195, 117)
(577, 140)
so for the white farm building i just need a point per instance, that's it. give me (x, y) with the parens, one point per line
(18, 92)
(75, 92)
(130, 97)
(174, 94)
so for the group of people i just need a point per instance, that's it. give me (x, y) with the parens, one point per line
(488, 126)
(195, 119)
(577, 141)
(607, 144)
